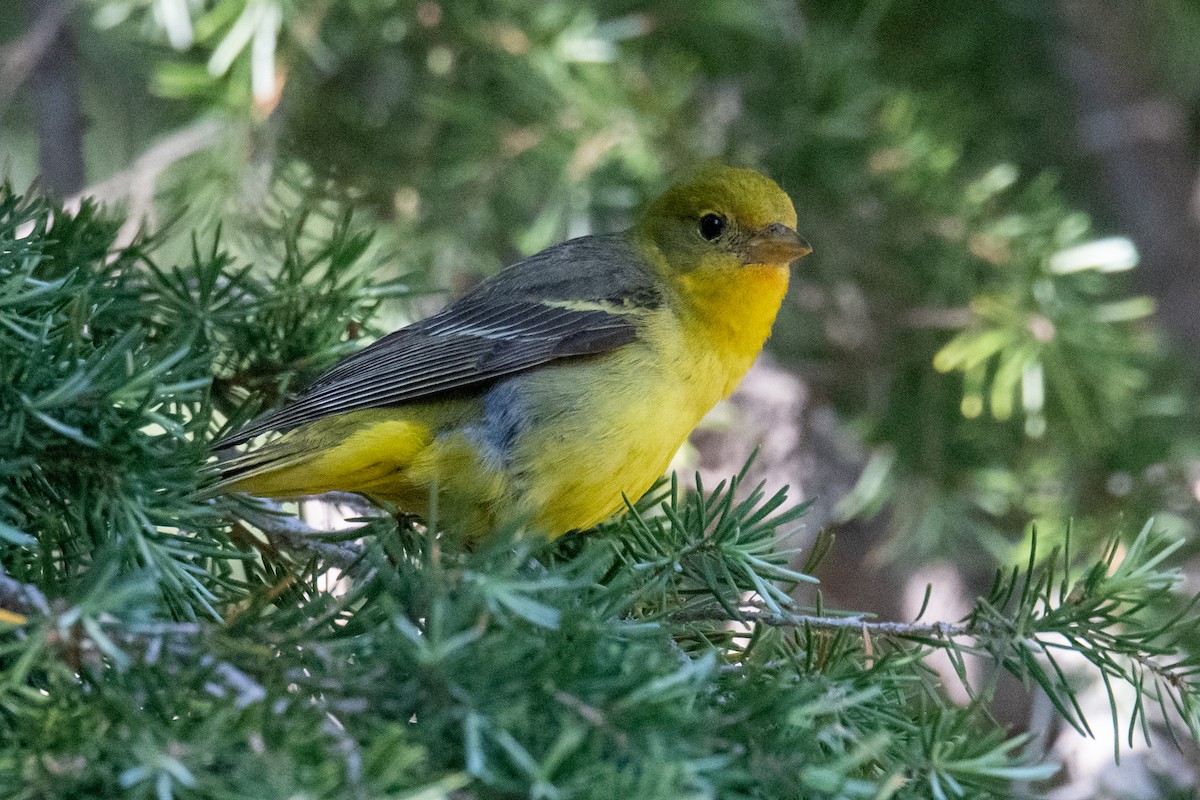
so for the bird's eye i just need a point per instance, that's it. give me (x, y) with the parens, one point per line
(712, 226)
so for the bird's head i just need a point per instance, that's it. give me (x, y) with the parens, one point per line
(723, 218)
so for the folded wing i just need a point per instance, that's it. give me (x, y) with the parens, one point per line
(526, 316)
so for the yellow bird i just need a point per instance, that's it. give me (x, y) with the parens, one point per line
(560, 384)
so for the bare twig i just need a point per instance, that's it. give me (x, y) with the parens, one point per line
(856, 623)
(286, 532)
(138, 184)
(945, 632)
(354, 503)
(937, 318)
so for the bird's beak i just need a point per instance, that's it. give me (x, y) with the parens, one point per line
(776, 244)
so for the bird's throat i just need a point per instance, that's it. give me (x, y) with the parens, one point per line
(732, 312)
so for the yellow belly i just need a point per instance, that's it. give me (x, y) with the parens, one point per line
(609, 443)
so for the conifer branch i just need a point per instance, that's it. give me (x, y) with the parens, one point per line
(288, 533)
(817, 622)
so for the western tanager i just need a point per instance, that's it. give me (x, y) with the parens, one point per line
(560, 384)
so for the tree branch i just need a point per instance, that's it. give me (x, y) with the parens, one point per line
(57, 105)
(950, 319)
(940, 631)
(783, 619)
(288, 533)
(21, 58)
(138, 184)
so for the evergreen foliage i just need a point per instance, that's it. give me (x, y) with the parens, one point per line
(156, 646)
(482, 131)
(959, 313)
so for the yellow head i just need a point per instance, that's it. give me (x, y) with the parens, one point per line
(721, 219)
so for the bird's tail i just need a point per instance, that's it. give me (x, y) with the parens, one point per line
(268, 471)
(363, 454)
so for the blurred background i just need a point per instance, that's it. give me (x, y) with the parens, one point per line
(997, 330)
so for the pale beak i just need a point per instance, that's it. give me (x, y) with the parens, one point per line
(776, 244)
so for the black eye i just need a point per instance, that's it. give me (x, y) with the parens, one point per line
(712, 226)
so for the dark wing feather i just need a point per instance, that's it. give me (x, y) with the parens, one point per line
(511, 323)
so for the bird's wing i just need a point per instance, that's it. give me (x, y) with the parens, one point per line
(520, 319)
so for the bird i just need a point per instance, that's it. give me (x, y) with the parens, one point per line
(557, 390)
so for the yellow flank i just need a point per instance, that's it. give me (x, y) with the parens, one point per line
(372, 455)
(556, 446)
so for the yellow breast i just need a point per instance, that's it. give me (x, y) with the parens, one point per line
(620, 418)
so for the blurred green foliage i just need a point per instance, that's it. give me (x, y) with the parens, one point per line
(960, 313)
(913, 137)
